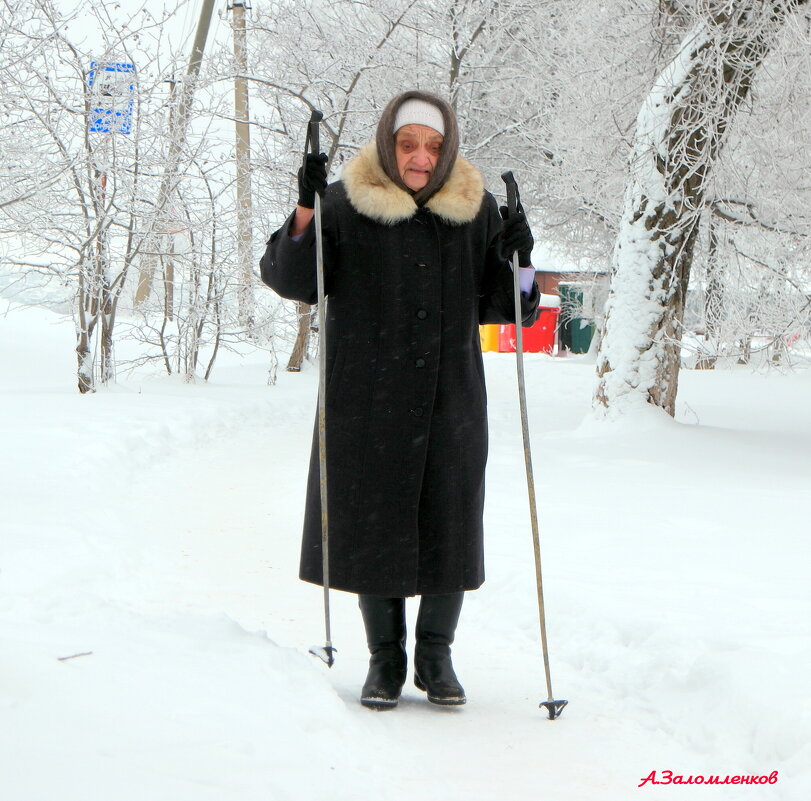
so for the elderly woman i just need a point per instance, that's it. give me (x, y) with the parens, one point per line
(416, 257)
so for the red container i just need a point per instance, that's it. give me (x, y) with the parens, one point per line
(540, 338)
(506, 339)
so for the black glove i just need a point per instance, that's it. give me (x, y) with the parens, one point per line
(516, 236)
(312, 178)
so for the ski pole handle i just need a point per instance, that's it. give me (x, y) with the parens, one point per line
(313, 144)
(513, 201)
(513, 197)
(310, 179)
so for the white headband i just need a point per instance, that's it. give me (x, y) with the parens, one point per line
(419, 112)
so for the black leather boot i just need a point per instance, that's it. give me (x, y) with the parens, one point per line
(384, 619)
(433, 669)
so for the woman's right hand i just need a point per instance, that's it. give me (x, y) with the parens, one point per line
(312, 178)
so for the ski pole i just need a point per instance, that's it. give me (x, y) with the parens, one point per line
(312, 143)
(553, 707)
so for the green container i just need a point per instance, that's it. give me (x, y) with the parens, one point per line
(576, 332)
(582, 332)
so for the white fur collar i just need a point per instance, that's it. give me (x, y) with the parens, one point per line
(373, 194)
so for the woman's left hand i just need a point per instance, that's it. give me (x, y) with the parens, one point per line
(516, 236)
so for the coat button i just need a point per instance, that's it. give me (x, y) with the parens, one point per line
(420, 362)
(418, 411)
(421, 314)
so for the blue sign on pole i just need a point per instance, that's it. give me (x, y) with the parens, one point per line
(112, 91)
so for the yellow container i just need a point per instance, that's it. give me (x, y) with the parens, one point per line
(488, 334)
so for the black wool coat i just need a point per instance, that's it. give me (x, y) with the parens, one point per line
(406, 416)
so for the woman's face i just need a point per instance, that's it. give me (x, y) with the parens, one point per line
(417, 148)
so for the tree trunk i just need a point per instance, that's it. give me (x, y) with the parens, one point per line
(679, 134)
(107, 366)
(84, 335)
(713, 303)
(84, 373)
(104, 307)
(302, 337)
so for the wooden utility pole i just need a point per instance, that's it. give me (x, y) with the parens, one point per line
(243, 164)
(177, 138)
(168, 261)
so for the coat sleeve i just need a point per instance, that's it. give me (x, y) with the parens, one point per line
(289, 265)
(496, 302)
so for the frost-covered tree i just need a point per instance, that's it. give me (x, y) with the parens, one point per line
(351, 62)
(83, 209)
(680, 131)
(80, 225)
(550, 89)
(755, 274)
(486, 58)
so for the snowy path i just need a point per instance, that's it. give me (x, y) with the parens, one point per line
(235, 554)
(157, 527)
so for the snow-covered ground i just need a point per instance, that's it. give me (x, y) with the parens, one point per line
(154, 636)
